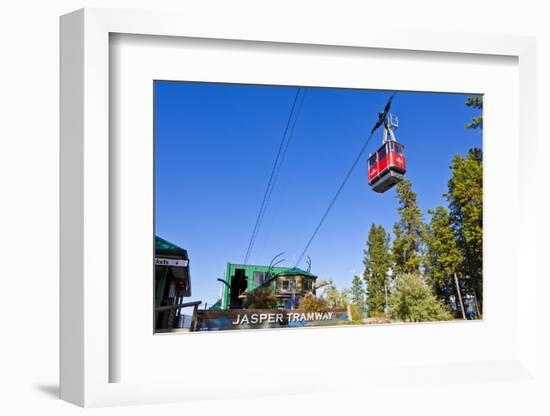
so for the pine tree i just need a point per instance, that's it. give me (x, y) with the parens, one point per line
(358, 293)
(465, 199)
(409, 231)
(443, 256)
(477, 103)
(377, 263)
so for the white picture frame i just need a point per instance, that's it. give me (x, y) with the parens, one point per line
(87, 356)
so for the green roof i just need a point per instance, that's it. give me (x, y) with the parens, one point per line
(167, 248)
(295, 271)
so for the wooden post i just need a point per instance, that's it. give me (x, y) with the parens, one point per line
(460, 297)
(477, 306)
(193, 326)
(386, 297)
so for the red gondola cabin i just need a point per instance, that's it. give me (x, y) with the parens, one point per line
(386, 166)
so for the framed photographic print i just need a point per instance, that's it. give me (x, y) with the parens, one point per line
(239, 208)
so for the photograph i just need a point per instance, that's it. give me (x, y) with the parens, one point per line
(303, 206)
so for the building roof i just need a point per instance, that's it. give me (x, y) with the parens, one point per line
(275, 271)
(167, 248)
(253, 266)
(295, 271)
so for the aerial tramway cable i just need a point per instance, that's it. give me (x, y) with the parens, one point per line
(281, 152)
(335, 197)
(298, 109)
(381, 119)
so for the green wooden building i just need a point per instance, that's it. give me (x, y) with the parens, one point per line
(172, 285)
(289, 284)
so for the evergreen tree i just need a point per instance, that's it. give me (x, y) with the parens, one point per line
(465, 198)
(413, 301)
(477, 103)
(358, 293)
(409, 231)
(377, 263)
(443, 256)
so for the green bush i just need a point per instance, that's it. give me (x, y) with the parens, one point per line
(261, 298)
(311, 303)
(413, 301)
(356, 313)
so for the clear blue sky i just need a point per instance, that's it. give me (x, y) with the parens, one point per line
(215, 147)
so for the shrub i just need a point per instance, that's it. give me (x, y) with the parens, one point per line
(356, 313)
(261, 298)
(413, 301)
(311, 303)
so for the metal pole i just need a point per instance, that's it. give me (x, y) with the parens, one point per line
(460, 297)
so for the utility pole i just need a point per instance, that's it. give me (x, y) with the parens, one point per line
(460, 297)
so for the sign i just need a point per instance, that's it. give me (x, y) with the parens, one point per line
(216, 320)
(161, 261)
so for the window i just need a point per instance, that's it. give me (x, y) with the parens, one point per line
(399, 149)
(289, 284)
(258, 277)
(382, 153)
(172, 291)
(307, 284)
(372, 160)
